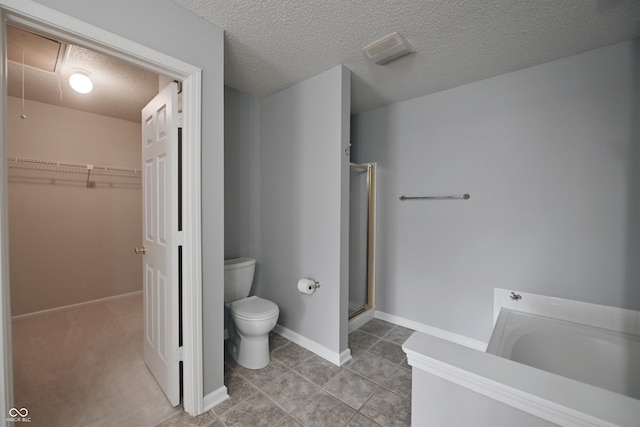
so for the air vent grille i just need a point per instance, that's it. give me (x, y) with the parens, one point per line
(388, 48)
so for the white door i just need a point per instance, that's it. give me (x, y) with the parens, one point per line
(159, 236)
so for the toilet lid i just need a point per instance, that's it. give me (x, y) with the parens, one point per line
(254, 308)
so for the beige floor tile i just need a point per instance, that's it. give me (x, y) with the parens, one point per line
(238, 389)
(318, 370)
(377, 327)
(359, 342)
(344, 389)
(261, 377)
(208, 419)
(323, 410)
(288, 421)
(291, 354)
(361, 421)
(276, 341)
(258, 410)
(372, 367)
(290, 390)
(400, 383)
(398, 335)
(351, 388)
(388, 409)
(388, 351)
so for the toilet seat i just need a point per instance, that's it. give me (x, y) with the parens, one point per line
(254, 308)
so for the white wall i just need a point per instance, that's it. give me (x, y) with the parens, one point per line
(69, 243)
(305, 174)
(549, 155)
(454, 405)
(168, 28)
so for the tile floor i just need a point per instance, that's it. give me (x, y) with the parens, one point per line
(299, 388)
(84, 367)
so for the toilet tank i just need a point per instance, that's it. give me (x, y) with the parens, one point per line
(238, 277)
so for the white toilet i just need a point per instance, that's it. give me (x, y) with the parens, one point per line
(252, 318)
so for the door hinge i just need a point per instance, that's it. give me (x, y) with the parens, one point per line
(180, 119)
(180, 354)
(180, 238)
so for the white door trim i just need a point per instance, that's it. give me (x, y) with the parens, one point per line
(63, 27)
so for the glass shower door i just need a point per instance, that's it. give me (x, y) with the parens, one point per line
(361, 238)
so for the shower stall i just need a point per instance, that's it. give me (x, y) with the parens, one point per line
(361, 238)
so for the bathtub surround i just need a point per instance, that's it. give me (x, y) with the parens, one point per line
(499, 392)
(598, 368)
(604, 358)
(548, 154)
(601, 316)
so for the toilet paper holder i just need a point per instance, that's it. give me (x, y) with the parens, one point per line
(308, 286)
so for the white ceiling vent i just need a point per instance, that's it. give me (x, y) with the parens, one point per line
(388, 48)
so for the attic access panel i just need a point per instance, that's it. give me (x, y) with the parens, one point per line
(39, 52)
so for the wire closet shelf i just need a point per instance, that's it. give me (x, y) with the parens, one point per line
(70, 167)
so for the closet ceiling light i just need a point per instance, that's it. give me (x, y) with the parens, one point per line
(81, 83)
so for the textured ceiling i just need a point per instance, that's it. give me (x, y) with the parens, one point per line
(120, 89)
(270, 45)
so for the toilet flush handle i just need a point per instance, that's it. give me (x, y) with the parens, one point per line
(141, 250)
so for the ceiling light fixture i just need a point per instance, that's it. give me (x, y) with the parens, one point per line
(80, 82)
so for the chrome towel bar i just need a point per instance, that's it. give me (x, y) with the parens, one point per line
(463, 197)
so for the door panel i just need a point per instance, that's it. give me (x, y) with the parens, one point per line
(161, 311)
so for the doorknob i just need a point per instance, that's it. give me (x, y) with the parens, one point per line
(141, 250)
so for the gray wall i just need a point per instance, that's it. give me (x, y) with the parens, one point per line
(197, 42)
(242, 177)
(305, 129)
(550, 157)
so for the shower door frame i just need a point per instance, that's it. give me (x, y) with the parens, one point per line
(371, 231)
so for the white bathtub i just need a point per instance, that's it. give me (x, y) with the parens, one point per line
(600, 357)
(554, 373)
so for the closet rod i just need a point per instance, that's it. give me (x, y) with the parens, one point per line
(463, 196)
(85, 167)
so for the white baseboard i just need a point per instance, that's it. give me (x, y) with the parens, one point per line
(430, 330)
(361, 319)
(320, 350)
(345, 356)
(74, 306)
(215, 398)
